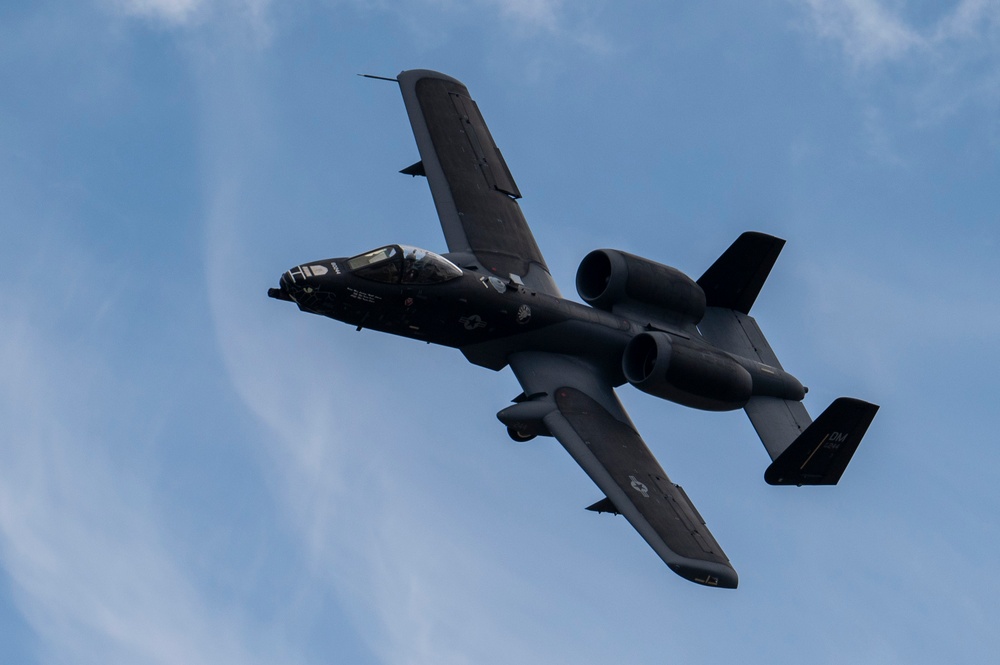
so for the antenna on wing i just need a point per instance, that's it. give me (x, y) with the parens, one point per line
(380, 78)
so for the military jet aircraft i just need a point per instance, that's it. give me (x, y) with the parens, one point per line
(491, 296)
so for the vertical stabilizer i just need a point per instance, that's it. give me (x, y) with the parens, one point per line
(735, 279)
(821, 453)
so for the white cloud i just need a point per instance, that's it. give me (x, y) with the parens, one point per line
(530, 14)
(537, 13)
(970, 19)
(871, 33)
(867, 32)
(183, 13)
(919, 74)
(573, 23)
(174, 12)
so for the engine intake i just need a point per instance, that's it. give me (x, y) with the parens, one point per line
(682, 372)
(608, 277)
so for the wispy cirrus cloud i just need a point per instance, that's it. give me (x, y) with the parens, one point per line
(543, 14)
(549, 16)
(915, 66)
(93, 570)
(175, 12)
(867, 31)
(872, 33)
(332, 455)
(561, 22)
(190, 13)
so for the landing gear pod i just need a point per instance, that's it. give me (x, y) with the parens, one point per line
(524, 420)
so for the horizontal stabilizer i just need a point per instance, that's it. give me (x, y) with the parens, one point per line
(821, 453)
(779, 422)
(736, 278)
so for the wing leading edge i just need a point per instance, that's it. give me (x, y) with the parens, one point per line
(473, 190)
(584, 415)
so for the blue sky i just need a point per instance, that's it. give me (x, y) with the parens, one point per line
(193, 473)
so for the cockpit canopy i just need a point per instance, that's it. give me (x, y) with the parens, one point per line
(397, 264)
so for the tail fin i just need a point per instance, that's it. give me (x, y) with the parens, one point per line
(821, 453)
(735, 279)
(803, 452)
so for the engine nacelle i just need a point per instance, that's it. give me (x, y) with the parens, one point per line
(608, 277)
(694, 376)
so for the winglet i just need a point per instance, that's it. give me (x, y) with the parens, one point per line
(821, 453)
(736, 277)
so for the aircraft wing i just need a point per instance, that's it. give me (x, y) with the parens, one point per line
(474, 193)
(580, 409)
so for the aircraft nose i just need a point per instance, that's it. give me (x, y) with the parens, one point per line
(286, 286)
(305, 282)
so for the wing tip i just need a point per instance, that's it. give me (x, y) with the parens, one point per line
(411, 76)
(708, 574)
